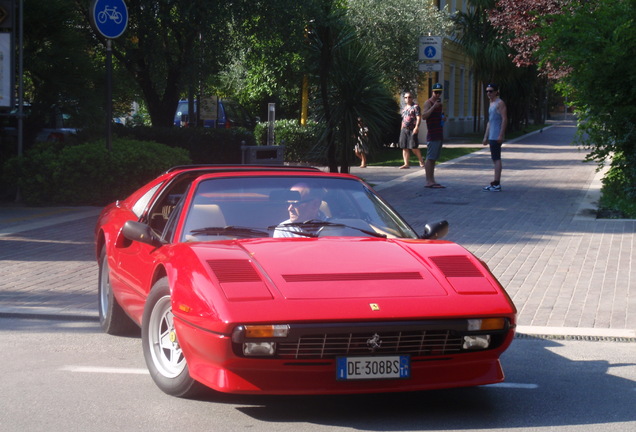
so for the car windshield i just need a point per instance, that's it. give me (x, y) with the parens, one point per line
(249, 207)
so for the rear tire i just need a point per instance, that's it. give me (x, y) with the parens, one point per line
(112, 317)
(164, 358)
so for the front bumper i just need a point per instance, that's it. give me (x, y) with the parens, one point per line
(214, 361)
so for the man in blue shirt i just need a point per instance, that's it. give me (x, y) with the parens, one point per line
(495, 132)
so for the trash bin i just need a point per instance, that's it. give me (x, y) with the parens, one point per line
(262, 155)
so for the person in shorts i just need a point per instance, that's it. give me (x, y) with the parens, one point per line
(433, 115)
(495, 132)
(411, 119)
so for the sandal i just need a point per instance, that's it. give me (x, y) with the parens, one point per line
(435, 186)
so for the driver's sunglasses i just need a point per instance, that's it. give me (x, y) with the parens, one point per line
(299, 203)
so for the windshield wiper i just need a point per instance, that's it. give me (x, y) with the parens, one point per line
(231, 230)
(316, 224)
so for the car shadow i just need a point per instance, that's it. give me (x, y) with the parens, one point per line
(543, 389)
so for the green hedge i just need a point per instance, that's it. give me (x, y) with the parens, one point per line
(205, 145)
(88, 174)
(618, 199)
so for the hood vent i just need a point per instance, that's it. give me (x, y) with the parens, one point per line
(335, 277)
(456, 266)
(234, 270)
(463, 275)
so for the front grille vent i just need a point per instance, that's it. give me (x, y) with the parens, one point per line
(415, 343)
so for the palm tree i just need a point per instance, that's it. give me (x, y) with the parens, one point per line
(350, 87)
(482, 44)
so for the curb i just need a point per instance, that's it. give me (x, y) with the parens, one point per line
(575, 333)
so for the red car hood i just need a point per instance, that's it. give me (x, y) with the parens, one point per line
(332, 279)
(342, 268)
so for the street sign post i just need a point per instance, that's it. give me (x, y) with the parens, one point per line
(430, 48)
(110, 18)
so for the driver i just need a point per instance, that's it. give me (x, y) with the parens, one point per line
(305, 209)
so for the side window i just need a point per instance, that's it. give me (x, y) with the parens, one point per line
(171, 223)
(141, 204)
(164, 206)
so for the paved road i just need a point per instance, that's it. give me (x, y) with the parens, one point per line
(567, 272)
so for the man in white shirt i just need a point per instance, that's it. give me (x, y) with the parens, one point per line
(304, 209)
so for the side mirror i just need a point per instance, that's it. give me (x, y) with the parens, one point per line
(435, 230)
(140, 232)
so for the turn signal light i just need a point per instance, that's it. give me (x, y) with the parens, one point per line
(266, 331)
(486, 324)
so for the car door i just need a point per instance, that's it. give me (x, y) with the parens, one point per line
(137, 262)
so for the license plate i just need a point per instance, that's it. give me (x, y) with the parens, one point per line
(381, 367)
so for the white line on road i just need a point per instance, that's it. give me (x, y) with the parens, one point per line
(514, 386)
(94, 369)
(111, 370)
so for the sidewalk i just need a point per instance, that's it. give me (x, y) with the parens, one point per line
(568, 273)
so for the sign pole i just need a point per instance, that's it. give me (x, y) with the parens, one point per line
(109, 18)
(109, 95)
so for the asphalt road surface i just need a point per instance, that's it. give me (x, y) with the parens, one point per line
(69, 376)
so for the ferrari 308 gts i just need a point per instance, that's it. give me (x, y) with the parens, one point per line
(290, 280)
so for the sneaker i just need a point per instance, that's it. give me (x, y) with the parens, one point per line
(492, 188)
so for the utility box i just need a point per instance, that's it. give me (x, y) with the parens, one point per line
(262, 155)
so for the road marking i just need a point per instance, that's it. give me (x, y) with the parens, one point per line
(111, 370)
(94, 369)
(514, 386)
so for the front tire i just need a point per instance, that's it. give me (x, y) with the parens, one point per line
(112, 317)
(164, 358)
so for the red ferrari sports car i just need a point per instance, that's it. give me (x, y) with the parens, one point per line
(289, 280)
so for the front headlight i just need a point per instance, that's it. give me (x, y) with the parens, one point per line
(256, 339)
(476, 342)
(259, 348)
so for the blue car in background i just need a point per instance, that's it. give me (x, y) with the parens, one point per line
(228, 114)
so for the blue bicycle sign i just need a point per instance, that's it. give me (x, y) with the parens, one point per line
(110, 17)
(110, 13)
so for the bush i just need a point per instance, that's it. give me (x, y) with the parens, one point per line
(618, 198)
(205, 145)
(88, 174)
(299, 141)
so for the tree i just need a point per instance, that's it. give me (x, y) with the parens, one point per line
(522, 20)
(268, 44)
(595, 43)
(392, 30)
(60, 75)
(588, 45)
(169, 47)
(492, 60)
(350, 84)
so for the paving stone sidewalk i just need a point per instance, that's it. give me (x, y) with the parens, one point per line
(566, 271)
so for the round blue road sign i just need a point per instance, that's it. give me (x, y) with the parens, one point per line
(110, 17)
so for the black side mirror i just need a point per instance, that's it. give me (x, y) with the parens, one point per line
(435, 230)
(137, 231)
